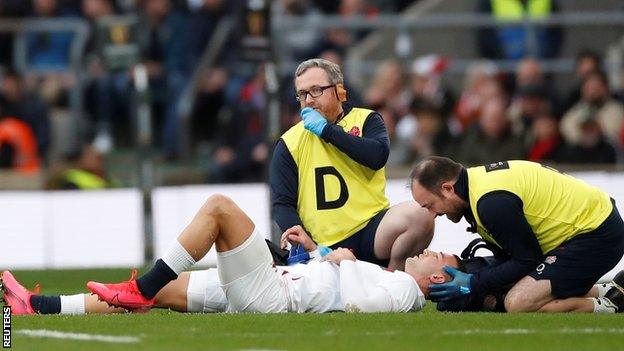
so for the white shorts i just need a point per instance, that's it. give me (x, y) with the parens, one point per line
(249, 278)
(204, 293)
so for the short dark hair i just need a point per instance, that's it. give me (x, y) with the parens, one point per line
(461, 265)
(433, 171)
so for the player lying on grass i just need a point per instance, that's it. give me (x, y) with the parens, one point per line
(252, 283)
(194, 291)
(200, 291)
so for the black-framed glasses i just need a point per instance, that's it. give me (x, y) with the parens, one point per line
(314, 92)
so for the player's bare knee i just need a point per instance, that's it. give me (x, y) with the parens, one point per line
(512, 303)
(422, 220)
(413, 212)
(217, 204)
(423, 225)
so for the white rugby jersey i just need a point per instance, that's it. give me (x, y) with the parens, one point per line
(353, 287)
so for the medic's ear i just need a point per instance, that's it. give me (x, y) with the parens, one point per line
(341, 93)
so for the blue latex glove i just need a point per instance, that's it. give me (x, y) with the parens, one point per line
(460, 285)
(313, 120)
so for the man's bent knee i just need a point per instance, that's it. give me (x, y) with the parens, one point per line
(217, 204)
(527, 298)
(518, 303)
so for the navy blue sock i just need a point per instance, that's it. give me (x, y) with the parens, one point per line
(46, 304)
(151, 282)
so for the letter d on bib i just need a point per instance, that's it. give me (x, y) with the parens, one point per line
(321, 201)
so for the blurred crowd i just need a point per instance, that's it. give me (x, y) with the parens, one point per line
(228, 119)
(501, 116)
(493, 116)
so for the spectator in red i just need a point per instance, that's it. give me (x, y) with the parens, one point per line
(18, 147)
(26, 107)
(480, 84)
(547, 143)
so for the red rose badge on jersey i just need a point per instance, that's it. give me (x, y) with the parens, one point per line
(355, 131)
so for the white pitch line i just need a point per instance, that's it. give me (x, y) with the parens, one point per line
(55, 334)
(536, 331)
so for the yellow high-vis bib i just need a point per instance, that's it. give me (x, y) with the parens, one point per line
(557, 206)
(337, 196)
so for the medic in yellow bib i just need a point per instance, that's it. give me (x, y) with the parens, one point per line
(558, 235)
(327, 174)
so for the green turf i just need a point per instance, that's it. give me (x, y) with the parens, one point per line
(427, 330)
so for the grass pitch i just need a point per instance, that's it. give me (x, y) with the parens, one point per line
(427, 330)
